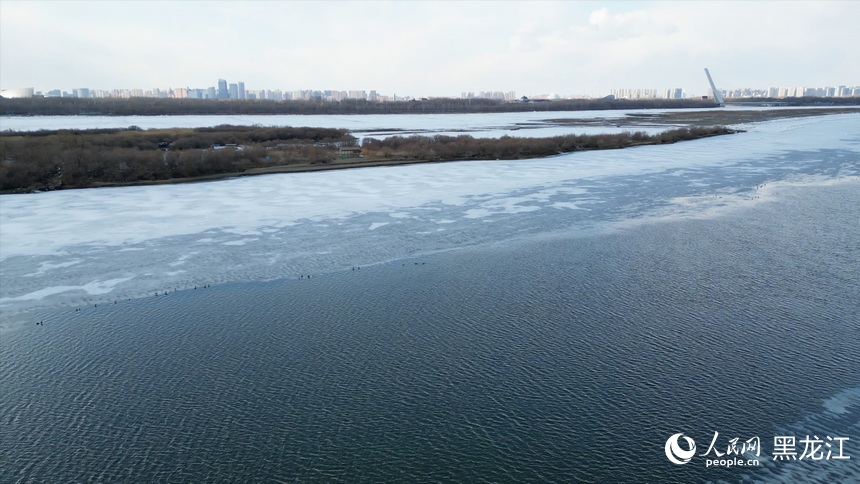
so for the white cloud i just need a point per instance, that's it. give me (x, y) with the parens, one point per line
(427, 48)
(599, 18)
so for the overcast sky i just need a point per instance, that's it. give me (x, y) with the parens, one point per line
(438, 48)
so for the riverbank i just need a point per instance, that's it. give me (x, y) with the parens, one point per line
(65, 158)
(713, 117)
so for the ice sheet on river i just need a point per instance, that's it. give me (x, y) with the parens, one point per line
(97, 245)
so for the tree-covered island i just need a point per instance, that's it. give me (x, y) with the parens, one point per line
(61, 159)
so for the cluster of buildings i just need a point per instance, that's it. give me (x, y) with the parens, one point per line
(771, 92)
(237, 90)
(225, 90)
(509, 96)
(780, 92)
(673, 93)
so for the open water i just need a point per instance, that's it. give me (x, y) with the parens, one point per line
(552, 360)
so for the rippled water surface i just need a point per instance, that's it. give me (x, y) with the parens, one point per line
(559, 359)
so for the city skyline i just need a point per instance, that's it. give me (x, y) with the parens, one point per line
(429, 49)
(236, 91)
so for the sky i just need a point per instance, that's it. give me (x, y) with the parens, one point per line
(429, 49)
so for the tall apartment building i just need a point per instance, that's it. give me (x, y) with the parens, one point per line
(222, 89)
(634, 93)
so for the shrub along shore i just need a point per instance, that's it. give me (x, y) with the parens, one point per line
(56, 106)
(61, 159)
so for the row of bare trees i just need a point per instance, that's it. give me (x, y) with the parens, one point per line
(52, 106)
(465, 147)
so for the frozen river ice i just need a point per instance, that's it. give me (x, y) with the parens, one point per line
(77, 247)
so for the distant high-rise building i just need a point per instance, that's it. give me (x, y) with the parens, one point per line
(640, 93)
(222, 89)
(211, 93)
(234, 91)
(241, 90)
(275, 95)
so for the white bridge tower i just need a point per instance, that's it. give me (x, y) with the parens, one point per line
(717, 97)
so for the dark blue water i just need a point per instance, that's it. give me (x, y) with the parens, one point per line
(557, 359)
